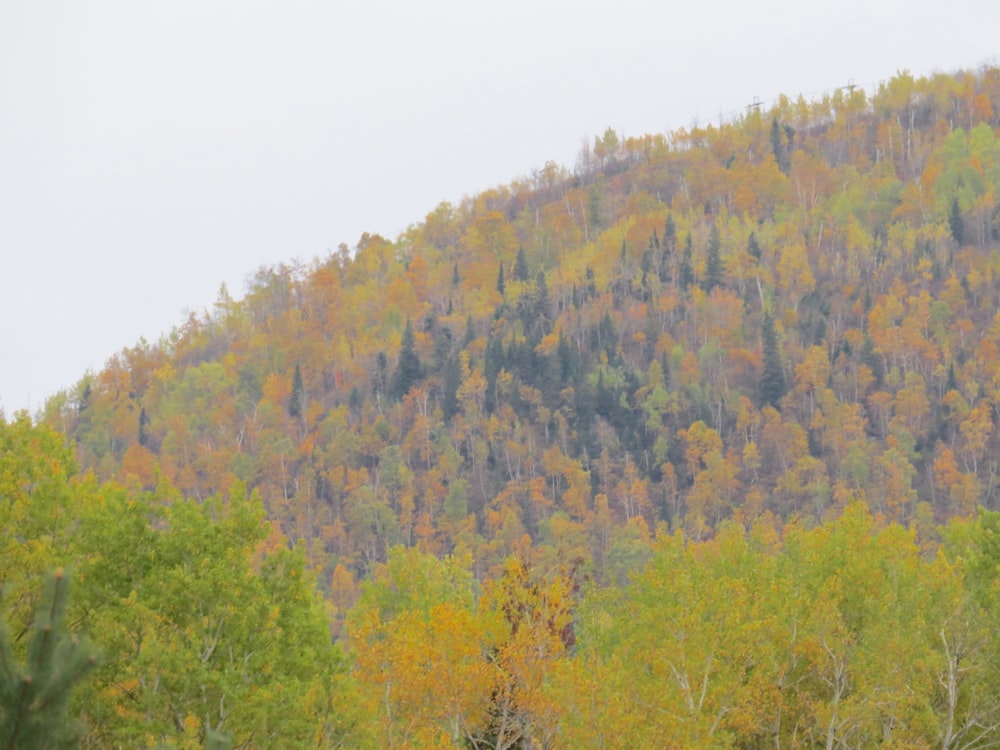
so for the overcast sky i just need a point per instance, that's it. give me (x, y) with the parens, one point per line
(150, 151)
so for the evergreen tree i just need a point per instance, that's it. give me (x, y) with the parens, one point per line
(535, 310)
(34, 696)
(295, 401)
(521, 272)
(143, 437)
(753, 247)
(668, 248)
(494, 360)
(781, 153)
(455, 278)
(594, 208)
(470, 332)
(955, 223)
(687, 268)
(606, 337)
(570, 366)
(772, 379)
(381, 373)
(449, 388)
(408, 369)
(713, 261)
(670, 235)
(501, 285)
(952, 384)
(442, 348)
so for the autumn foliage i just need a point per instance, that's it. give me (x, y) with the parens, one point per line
(706, 363)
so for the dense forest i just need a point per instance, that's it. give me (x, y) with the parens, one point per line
(692, 445)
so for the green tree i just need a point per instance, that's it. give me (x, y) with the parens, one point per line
(687, 263)
(450, 386)
(34, 695)
(409, 371)
(781, 151)
(521, 272)
(713, 261)
(772, 379)
(955, 223)
(297, 398)
(36, 511)
(205, 627)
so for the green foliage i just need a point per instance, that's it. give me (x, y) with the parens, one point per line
(36, 511)
(955, 222)
(521, 272)
(713, 261)
(409, 370)
(772, 378)
(34, 694)
(411, 580)
(297, 398)
(196, 633)
(826, 636)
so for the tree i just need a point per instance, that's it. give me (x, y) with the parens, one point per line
(409, 371)
(687, 269)
(450, 386)
(713, 261)
(532, 621)
(780, 150)
(36, 509)
(34, 695)
(419, 651)
(955, 223)
(297, 398)
(772, 379)
(521, 272)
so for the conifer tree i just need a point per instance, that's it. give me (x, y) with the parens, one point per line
(143, 423)
(955, 223)
(781, 152)
(669, 234)
(521, 272)
(298, 394)
(713, 261)
(470, 332)
(408, 369)
(452, 382)
(501, 285)
(34, 696)
(381, 374)
(772, 379)
(687, 269)
(668, 248)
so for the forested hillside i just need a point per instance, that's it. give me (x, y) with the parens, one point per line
(781, 314)
(754, 366)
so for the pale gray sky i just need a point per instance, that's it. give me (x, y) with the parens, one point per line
(151, 150)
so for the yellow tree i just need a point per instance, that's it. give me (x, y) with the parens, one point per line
(420, 651)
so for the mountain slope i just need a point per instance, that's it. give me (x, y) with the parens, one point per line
(778, 315)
